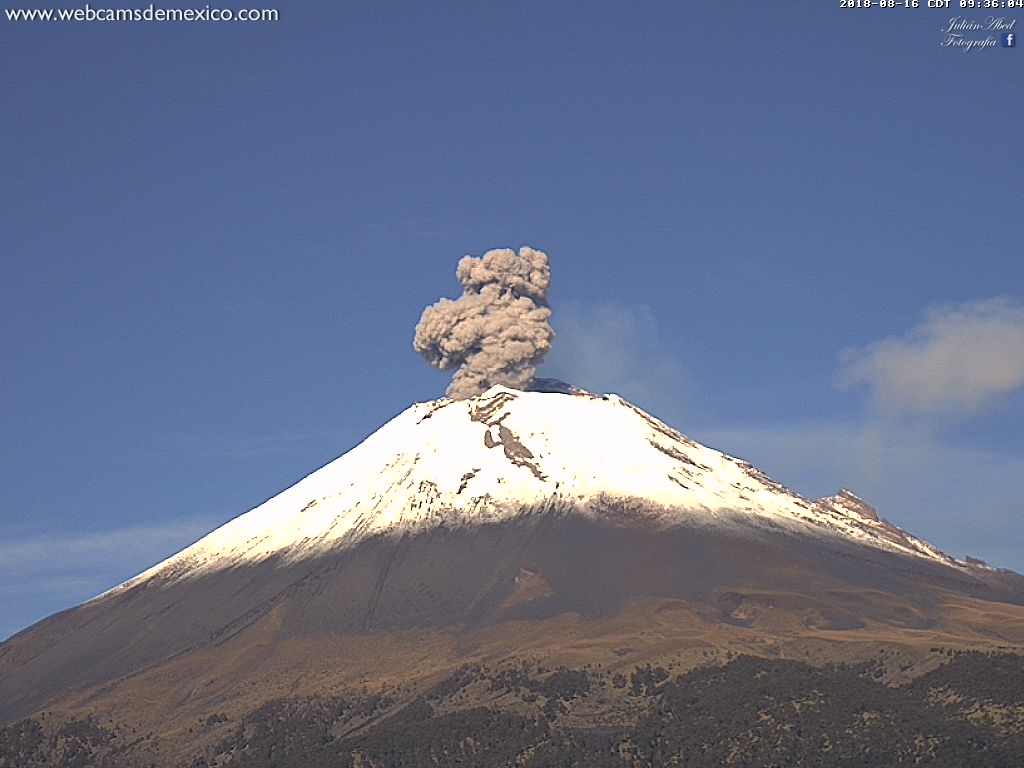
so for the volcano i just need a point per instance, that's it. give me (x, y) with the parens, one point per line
(560, 526)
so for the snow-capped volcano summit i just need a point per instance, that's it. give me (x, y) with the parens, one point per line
(549, 524)
(507, 454)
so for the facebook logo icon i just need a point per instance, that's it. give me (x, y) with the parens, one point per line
(1009, 39)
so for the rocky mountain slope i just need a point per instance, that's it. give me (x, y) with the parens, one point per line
(552, 529)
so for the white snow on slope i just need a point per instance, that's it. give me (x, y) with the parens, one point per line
(507, 453)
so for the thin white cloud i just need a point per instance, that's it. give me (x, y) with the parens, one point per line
(617, 347)
(97, 550)
(957, 361)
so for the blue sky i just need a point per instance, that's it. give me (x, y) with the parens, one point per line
(791, 230)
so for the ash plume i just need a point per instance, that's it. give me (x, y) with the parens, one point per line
(497, 332)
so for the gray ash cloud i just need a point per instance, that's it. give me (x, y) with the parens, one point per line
(498, 331)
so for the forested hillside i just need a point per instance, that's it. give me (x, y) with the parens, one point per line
(967, 712)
